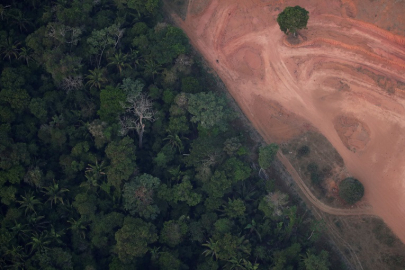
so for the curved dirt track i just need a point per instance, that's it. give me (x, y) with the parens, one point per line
(312, 198)
(344, 77)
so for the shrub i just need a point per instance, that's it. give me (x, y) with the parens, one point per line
(351, 190)
(303, 151)
(316, 175)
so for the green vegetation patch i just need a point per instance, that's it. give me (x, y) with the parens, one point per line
(351, 190)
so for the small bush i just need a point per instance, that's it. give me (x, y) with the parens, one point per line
(303, 151)
(312, 167)
(316, 175)
(351, 190)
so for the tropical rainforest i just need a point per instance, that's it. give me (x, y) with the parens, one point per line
(118, 152)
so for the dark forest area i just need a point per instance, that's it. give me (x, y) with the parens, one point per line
(117, 152)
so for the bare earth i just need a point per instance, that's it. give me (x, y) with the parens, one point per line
(343, 76)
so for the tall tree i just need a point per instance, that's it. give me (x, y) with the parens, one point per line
(139, 110)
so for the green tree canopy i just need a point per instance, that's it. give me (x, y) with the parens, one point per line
(293, 19)
(139, 196)
(267, 155)
(351, 190)
(208, 110)
(122, 161)
(133, 238)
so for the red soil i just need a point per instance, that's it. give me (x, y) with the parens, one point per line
(344, 77)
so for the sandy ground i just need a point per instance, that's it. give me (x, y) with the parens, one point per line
(344, 77)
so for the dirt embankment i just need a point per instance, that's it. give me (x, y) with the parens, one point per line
(344, 77)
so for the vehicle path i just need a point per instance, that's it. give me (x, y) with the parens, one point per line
(311, 197)
(285, 86)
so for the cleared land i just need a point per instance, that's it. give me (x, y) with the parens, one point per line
(343, 77)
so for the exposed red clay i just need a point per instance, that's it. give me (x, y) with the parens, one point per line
(344, 77)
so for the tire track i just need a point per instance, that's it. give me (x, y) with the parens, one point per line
(311, 197)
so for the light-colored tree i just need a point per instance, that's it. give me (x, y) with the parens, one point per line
(274, 203)
(71, 83)
(138, 110)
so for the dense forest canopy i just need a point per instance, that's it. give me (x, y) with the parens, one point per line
(116, 153)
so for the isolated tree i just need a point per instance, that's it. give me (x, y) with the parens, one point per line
(293, 19)
(351, 190)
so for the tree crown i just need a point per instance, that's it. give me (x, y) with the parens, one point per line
(293, 19)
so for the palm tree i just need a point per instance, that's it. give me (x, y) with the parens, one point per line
(246, 191)
(134, 57)
(241, 264)
(242, 245)
(152, 68)
(252, 228)
(120, 60)
(55, 193)
(25, 54)
(20, 230)
(39, 241)
(91, 183)
(9, 48)
(2, 10)
(212, 250)
(19, 19)
(55, 236)
(36, 222)
(15, 256)
(78, 226)
(96, 78)
(155, 253)
(96, 170)
(175, 141)
(28, 202)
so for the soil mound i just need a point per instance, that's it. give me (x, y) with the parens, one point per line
(354, 134)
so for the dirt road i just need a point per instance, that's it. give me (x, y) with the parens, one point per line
(344, 77)
(311, 197)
